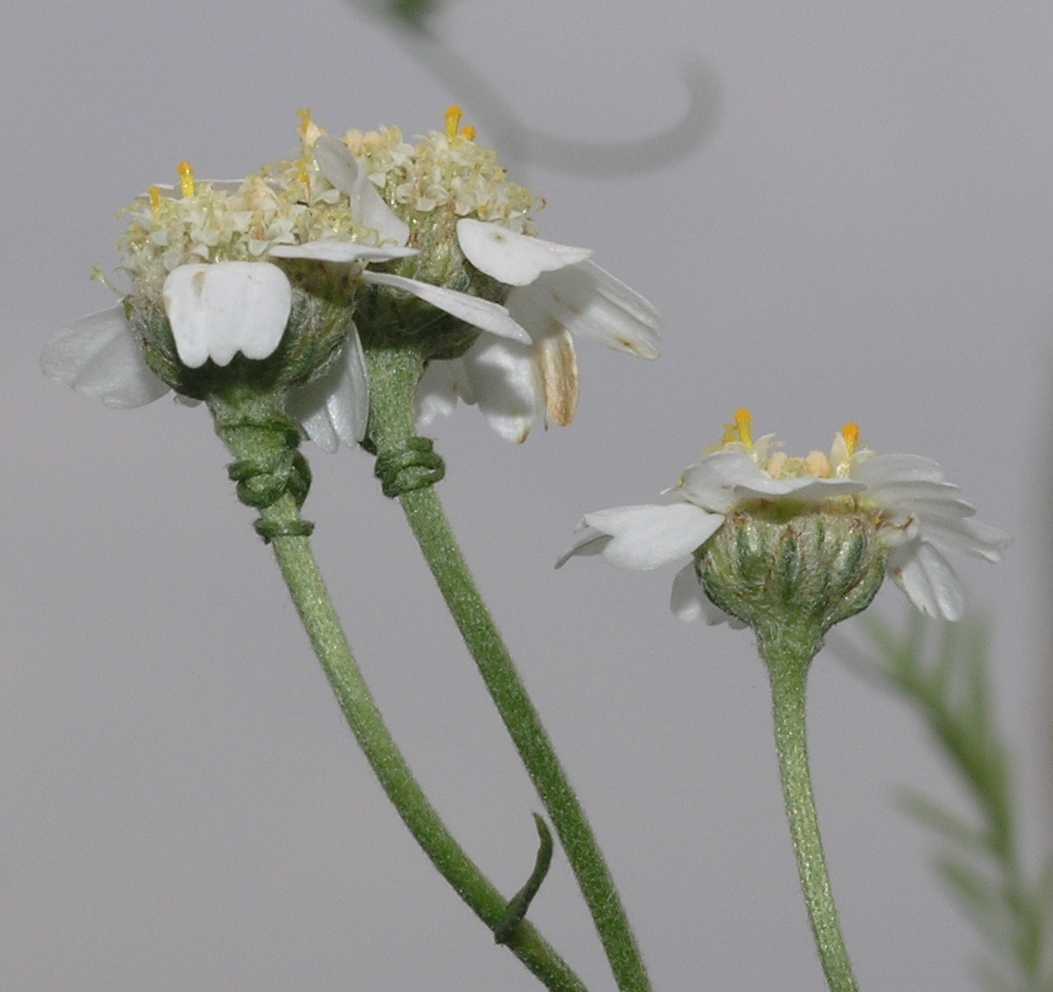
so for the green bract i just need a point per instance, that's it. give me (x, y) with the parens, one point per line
(793, 572)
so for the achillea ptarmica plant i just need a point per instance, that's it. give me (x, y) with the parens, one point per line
(771, 535)
(790, 546)
(247, 295)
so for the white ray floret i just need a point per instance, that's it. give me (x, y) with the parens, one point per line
(917, 514)
(99, 357)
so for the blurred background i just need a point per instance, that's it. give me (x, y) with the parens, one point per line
(843, 211)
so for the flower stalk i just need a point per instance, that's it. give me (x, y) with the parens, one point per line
(788, 663)
(394, 372)
(247, 425)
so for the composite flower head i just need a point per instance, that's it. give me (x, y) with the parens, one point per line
(475, 231)
(222, 269)
(759, 523)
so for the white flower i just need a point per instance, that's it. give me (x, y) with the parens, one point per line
(558, 294)
(917, 514)
(219, 308)
(525, 372)
(215, 311)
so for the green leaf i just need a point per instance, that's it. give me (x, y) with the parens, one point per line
(948, 825)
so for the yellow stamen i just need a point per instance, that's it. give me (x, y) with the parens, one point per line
(469, 133)
(740, 431)
(186, 180)
(850, 432)
(155, 201)
(453, 121)
(306, 122)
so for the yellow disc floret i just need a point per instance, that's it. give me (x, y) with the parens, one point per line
(454, 116)
(768, 455)
(740, 430)
(850, 432)
(446, 174)
(187, 183)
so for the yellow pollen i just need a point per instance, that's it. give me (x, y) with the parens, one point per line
(468, 133)
(850, 432)
(305, 121)
(186, 179)
(453, 121)
(740, 431)
(155, 201)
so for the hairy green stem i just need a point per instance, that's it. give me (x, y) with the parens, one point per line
(788, 667)
(311, 598)
(394, 374)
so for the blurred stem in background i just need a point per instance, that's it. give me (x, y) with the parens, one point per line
(980, 859)
(522, 145)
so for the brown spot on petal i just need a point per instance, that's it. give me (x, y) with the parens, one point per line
(559, 374)
(197, 281)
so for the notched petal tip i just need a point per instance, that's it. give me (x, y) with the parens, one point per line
(219, 309)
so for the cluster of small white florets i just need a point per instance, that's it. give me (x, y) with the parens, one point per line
(444, 169)
(291, 202)
(285, 204)
(768, 455)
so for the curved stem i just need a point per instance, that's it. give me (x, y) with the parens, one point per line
(311, 598)
(393, 377)
(789, 676)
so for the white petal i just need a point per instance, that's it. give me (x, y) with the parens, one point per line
(505, 381)
(726, 477)
(687, 600)
(100, 357)
(472, 310)
(928, 580)
(972, 536)
(334, 250)
(913, 491)
(441, 386)
(335, 407)
(345, 172)
(220, 309)
(513, 258)
(588, 541)
(711, 483)
(804, 489)
(645, 537)
(587, 300)
(879, 470)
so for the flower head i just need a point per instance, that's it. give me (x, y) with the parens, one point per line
(222, 269)
(475, 230)
(265, 267)
(816, 532)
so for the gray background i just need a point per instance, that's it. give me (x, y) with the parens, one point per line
(863, 230)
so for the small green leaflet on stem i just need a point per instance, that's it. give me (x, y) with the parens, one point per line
(520, 902)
